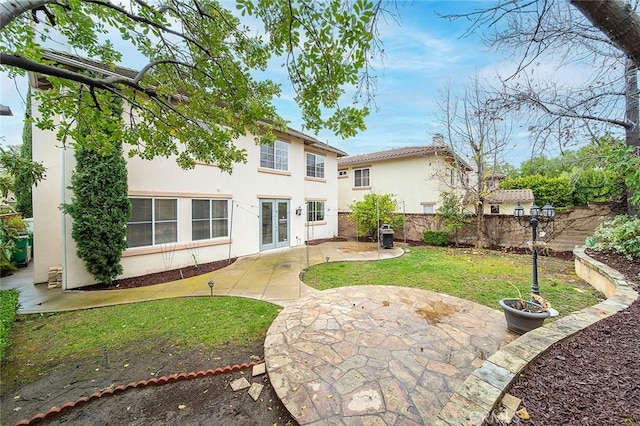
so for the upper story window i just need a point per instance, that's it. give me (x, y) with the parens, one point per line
(342, 173)
(315, 211)
(275, 156)
(315, 165)
(152, 221)
(361, 177)
(209, 219)
(495, 209)
(452, 176)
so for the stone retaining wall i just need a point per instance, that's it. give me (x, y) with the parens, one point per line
(475, 400)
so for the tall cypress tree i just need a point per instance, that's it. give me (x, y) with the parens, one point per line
(100, 206)
(24, 181)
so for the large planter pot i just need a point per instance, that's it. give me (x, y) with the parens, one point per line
(520, 321)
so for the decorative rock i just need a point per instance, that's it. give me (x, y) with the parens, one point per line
(510, 405)
(240, 384)
(255, 389)
(259, 370)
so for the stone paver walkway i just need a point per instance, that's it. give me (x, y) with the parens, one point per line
(377, 354)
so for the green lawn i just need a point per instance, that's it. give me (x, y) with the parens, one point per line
(478, 275)
(43, 341)
(46, 340)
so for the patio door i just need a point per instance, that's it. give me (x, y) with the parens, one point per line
(274, 224)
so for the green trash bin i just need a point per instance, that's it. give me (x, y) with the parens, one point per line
(22, 253)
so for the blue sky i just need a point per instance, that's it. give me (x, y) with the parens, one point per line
(423, 52)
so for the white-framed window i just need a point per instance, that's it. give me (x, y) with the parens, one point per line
(209, 219)
(451, 176)
(342, 173)
(315, 211)
(152, 221)
(275, 156)
(315, 165)
(361, 177)
(428, 208)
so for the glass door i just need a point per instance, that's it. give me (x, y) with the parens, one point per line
(274, 224)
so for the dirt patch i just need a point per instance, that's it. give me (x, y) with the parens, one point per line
(590, 378)
(200, 401)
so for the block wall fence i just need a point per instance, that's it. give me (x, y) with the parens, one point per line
(569, 229)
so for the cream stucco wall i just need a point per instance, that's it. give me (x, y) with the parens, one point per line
(507, 207)
(414, 181)
(161, 177)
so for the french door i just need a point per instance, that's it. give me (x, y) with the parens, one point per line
(274, 224)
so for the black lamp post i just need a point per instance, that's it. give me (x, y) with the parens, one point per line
(211, 283)
(539, 217)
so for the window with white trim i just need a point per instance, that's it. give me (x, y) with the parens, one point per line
(275, 156)
(209, 219)
(452, 176)
(315, 165)
(342, 173)
(361, 177)
(315, 211)
(152, 221)
(428, 208)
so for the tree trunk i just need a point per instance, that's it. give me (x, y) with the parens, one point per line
(480, 224)
(617, 20)
(11, 9)
(632, 115)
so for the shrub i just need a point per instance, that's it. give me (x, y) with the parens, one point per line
(452, 214)
(373, 211)
(435, 238)
(8, 307)
(100, 205)
(621, 234)
(557, 190)
(11, 227)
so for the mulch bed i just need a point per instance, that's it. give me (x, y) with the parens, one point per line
(593, 377)
(162, 277)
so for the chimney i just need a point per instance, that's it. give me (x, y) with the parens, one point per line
(438, 139)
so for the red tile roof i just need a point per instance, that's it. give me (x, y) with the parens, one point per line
(410, 151)
(510, 195)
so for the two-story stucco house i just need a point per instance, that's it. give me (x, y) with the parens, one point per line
(416, 176)
(285, 194)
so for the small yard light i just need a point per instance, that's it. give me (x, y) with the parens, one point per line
(211, 283)
(538, 218)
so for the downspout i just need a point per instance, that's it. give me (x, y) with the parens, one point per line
(63, 173)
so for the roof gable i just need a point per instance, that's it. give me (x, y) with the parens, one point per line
(406, 152)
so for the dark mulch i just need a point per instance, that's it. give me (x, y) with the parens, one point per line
(162, 276)
(593, 377)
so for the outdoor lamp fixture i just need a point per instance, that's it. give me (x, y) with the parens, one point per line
(298, 211)
(539, 217)
(211, 283)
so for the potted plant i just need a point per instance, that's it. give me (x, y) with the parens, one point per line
(525, 315)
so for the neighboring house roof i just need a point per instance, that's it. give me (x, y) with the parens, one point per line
(410, 151)
(510, 196)
(78, 62)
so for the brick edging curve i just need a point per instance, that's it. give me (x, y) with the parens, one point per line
(474, 401)
(142, 383)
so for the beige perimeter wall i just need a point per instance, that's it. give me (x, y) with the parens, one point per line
(569, 229)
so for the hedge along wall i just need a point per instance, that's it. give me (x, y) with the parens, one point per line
(570, 228)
